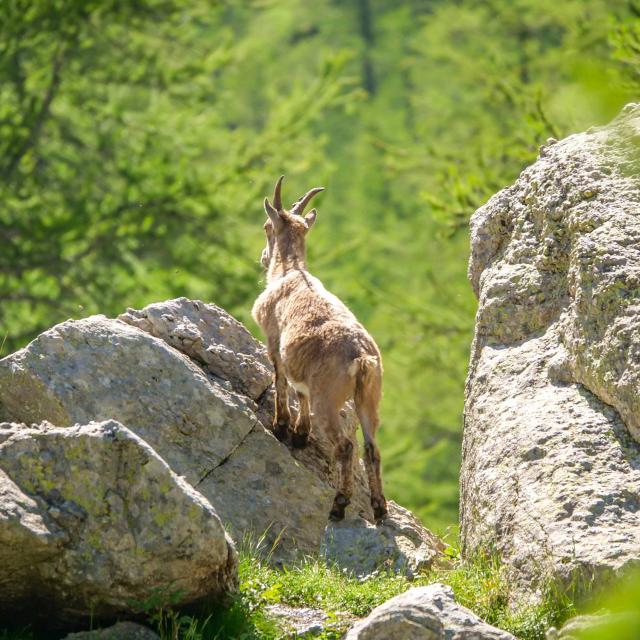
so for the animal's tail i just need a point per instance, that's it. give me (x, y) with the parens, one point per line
(368, 380)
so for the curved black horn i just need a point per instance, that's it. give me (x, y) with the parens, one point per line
(298, 206)
(277, 195)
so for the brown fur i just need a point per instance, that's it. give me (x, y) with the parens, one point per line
(316, 344)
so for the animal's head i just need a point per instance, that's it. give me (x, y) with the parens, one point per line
(286, 229)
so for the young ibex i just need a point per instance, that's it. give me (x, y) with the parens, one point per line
(316, 344)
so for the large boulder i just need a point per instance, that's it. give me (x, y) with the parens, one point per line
(551, 471)
(94, 524)
(424, 613)
(97, 369)
(192, 381)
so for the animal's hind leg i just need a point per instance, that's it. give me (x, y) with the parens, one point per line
(344, 456)
(367, 410)
(303, 423)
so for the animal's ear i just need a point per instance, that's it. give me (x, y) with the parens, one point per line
(273, 214)
(310, 218)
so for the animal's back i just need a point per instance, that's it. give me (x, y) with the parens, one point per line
(319, 333)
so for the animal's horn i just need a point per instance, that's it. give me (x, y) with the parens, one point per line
(277, 195)
(299, 205)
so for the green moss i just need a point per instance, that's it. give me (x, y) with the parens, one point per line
(37, 479)
(165, 487)
(161, 518)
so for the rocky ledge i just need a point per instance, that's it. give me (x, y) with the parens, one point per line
(118, 423)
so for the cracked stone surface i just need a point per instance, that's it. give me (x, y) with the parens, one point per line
(92, 521)
(98, 368)
(424, 613)
(203, 425)
(401, 543)
(210, 336)
(551, 469)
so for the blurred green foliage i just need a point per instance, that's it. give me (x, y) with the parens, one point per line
(138, 138)
(613, 614)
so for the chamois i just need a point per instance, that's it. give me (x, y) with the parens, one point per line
(317, 345)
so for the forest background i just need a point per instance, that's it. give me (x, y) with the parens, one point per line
(137, 140)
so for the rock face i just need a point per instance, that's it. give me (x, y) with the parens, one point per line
(192, 382)
(210, 336)
(424, 613)
(93, 521)
(97, 369)
(551, 472)
(400, 544)
(118, 631)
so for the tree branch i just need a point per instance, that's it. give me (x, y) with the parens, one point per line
(40, 118)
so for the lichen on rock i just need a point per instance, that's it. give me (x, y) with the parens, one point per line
(551, 470)
(93, 523)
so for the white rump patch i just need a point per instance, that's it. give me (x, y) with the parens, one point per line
(300, 387)
(353, 368)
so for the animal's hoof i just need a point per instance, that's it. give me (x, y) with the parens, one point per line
(281, 431)
(379, 509)
(340, 503)
(299, 440)
(336, 514)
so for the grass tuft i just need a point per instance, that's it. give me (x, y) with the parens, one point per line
(481, 584)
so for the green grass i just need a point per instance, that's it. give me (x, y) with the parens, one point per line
(480, 584)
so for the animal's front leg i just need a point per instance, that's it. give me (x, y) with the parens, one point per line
(282, 417)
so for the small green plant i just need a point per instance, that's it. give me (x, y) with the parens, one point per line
(173, 626)
(482, 584)
(160, 610)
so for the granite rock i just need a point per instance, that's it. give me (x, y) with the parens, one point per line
(551, 464)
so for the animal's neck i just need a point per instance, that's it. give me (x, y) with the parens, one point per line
(281, 264)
